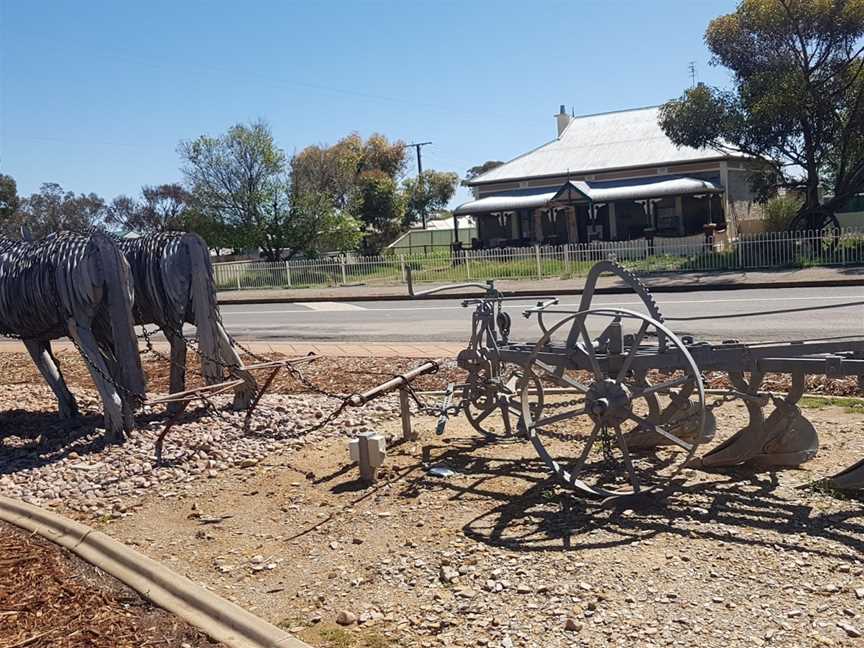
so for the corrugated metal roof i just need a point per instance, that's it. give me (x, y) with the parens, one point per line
(594, 191)
(641, 189)
(614, 140)
(507, 201)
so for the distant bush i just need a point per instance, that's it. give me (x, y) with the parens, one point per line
(780, 210)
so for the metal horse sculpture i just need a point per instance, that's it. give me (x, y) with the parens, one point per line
(76, 286)
(173, 286)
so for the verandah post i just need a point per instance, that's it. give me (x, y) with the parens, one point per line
(537, 257)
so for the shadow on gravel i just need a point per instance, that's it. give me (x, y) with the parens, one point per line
(531, 512)
(30, 440)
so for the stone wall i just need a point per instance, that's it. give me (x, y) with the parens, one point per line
(742, 210)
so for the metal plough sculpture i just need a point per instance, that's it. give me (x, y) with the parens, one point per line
(173, 286)
(80, 287)
(615, 402)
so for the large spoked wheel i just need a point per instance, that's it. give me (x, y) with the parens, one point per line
(583, 440)
(492, 404)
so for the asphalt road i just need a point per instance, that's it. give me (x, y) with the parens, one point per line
(448, 321)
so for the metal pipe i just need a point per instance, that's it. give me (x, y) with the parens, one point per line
(361, 399)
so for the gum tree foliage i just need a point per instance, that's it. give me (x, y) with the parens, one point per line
(53, 209)
(796, 101)
(159, 209)
(428, 195)
(366, 178)
(8, 197)
(243, 182)
(363, 179)
(479, 170)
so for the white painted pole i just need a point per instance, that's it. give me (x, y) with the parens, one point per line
(537, 257)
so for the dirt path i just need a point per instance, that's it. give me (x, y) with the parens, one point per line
(498, 555)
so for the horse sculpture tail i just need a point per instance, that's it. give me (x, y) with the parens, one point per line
(203, 294)
(119, 296)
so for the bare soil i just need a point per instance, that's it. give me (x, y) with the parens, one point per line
(48, 597)
(498, 554)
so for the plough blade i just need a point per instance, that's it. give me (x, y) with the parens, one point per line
(782, 440)
(792, 446)
(850, 479)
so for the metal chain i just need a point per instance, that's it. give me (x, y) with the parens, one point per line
(609, 459)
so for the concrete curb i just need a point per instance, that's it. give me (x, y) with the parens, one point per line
(609, 290)
(220, 619)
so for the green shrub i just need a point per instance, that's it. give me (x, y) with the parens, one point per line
(780, 210)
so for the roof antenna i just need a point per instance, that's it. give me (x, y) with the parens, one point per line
(692, 68)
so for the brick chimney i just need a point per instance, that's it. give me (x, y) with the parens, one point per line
(562, 119)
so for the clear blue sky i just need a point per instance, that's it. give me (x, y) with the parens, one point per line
(95, 95)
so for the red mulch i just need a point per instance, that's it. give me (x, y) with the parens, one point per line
(48, 597)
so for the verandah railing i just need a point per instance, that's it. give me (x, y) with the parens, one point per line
(692, 254)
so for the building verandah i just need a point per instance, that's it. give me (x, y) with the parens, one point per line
(583, 212)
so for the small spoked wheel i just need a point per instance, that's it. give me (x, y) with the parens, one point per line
(584, 440)
(493, 405)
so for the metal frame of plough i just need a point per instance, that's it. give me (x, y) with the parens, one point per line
(513, 378)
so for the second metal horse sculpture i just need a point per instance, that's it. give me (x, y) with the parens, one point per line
(174, 286)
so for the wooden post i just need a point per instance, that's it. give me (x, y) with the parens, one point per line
(344, 276)
(567, 268)
(402, 263)
(288, 273)
(405, 410)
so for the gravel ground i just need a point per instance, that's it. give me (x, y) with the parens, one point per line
(46, 463)
(496, 555)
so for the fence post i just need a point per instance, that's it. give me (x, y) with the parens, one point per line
(402, 264)
(537, 257)
(467, 263)
(567, 269)
(344, 276)
(238, 276)
(287, 273)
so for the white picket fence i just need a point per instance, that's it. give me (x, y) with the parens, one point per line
(690, 254)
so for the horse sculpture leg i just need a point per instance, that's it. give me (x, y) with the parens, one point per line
(118, 418)
(178, 367)
(244, 394)
(40, 351)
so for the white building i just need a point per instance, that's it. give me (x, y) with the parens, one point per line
(611, 176)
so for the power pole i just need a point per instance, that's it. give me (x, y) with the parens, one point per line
(418, 146)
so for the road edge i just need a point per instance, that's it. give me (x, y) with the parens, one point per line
(608, 290)
(220, 619)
